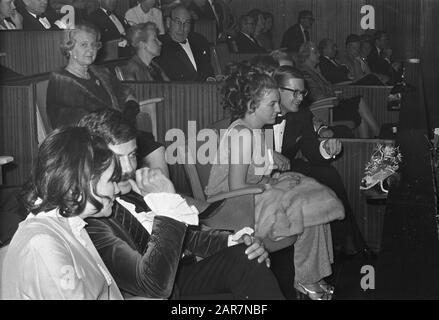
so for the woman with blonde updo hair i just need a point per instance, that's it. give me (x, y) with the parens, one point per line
(245, 159)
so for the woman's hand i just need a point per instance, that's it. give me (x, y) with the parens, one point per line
(332, 147)
(287, 181)
(151, 181)
(282, 162)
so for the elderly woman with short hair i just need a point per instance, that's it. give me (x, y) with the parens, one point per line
(82, 88)
(143, 38)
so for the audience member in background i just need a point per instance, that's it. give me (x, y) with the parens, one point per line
(298, 34)
(82, 7)
(297, 133)
(333, 71)
(143, 249)
(258, 17)
(253, 100)
(185, 55)
(354, 111)
(283, 58)
(143, 38)
(348, 73)
(110, 25)
(145, 12)
(209, 10)
(37, 16)
(81, 88)
(380, 58)
(51, 256)
(244, 39)
(10, 19)
(265, 64)
(265, 37)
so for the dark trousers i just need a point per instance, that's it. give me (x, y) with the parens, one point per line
(328, 175)
(228, 272)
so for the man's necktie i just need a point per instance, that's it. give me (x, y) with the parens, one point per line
(109, 13)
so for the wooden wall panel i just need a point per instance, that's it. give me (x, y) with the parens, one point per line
(32, 52)
(18, 135)
(370, 217)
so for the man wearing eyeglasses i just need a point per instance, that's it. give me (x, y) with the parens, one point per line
(185, 55)
(296, 35)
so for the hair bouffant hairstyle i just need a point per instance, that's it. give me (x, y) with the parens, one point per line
(139, 32)
(69, 164)
(244, 89)
(69, 40)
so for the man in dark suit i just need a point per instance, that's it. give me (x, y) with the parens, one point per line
(209, 10)
(110, 24)
(380, 58)
(185, 55)
(244, 40)
(37, 16)
(333, 71)
(295, 132)
(296, 35)
(142, 247)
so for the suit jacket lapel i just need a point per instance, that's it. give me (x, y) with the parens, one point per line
(183, 57)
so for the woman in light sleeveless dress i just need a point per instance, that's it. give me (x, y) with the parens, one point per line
(253, 99)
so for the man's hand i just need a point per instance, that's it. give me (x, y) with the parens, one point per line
(151, 181)
(282, 162)
(326, 133)
(255, 249)
(332, 147)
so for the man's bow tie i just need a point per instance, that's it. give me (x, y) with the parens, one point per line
(41, 16)
(183, 42)
(109, 13)
(280, 118)
(137, 201)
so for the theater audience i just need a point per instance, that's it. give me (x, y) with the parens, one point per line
(253, 100)
(298, 34)
(10, 19)
(143, 38)
(143, 250)
(38, 16)
(185, 55)
(51, 255)
(297, 134)
(81, 88)
(146, 12)
(210, 10)
(353, 112)
(244, 39)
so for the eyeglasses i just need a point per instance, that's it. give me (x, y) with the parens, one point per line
(296, 93)
(180, 24)
(94, 45)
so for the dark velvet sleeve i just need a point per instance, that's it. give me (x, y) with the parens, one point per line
(149, 275)
(205, 243)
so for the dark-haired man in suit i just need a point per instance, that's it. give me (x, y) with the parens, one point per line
(245, 42)
(37, 16)
(185, 55)
(296, 35)
(142, 242)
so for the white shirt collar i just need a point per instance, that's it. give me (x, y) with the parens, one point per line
(76, 223)
(248, 36)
